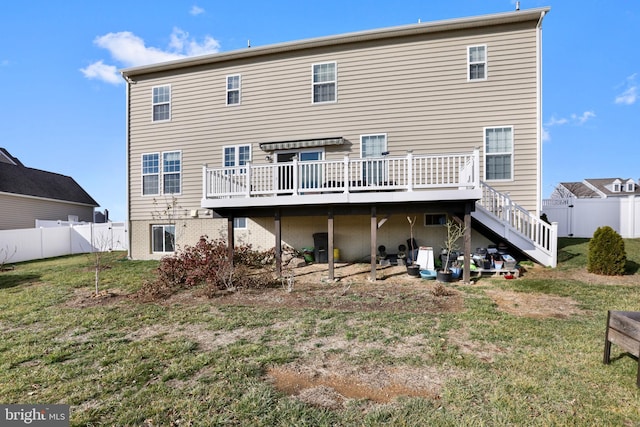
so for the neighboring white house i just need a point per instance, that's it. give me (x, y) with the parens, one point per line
(580, 208)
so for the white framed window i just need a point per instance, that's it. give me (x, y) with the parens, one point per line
(163, 238)
(150, 174)
(631, 186)
(325, 81)
(233, 89)
(236, 155)
(161, 102)
(477, 62)
(240, 223)
(373, 146)
(498, 153)
(169, 173)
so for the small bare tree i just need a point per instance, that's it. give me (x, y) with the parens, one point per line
(455, 231)
(169, 212)
(101, 244)
(6, 255)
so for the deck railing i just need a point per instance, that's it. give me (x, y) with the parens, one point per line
(386, 173)
(539, 232)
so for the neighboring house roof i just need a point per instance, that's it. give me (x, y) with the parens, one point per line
(370, 35)
(580, 190)
(15, 178)
(600, 188)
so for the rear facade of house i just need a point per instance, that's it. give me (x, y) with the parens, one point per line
(344, 134)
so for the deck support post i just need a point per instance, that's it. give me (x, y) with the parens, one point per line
(278, 232)
(330, 256)
(466, 271)
(374, 238)
(230, 238)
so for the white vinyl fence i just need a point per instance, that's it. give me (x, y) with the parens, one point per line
(582, 217)
(56, 238)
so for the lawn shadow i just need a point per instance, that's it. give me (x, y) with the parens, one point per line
(12, 280)
(631, 267)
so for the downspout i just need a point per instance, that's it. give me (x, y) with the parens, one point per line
(539, 111)
(128, 137)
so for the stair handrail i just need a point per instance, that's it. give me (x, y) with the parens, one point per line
(542, 234)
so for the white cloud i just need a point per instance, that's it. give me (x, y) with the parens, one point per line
(582, 119)
(573, 119)
(630, 94)
(129, 50)
(100, 71)
(555, 121)
(180, 43)
(195, 10)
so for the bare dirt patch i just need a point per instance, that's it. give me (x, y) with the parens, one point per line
(351, 290)
(332, 383)
(84, 298)
(534, 305)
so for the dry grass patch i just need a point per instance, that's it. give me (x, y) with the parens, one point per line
(536, 306)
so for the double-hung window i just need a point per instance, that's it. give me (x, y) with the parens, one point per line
(233, 90)
(240, 223)
(163, 238)
(498, 153)
(324, 82)
(477, 62)
(169, 173)
(235, 156)
(161, 101)
(150, 174)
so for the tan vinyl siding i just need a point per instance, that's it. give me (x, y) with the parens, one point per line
(22, 212)
(414, 89)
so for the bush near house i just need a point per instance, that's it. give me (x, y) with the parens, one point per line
(606, 255)
(207, 263)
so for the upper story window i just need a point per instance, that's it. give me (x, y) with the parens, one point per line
(477, 60)
(324, 82)
(150, 173)
(631, 186)
(161, 103)
(169, 173)
(498, 153)
(233, 90)
(236, 155)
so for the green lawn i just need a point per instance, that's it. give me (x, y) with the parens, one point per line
(117, 361)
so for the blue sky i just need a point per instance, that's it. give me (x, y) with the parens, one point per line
(62, 103)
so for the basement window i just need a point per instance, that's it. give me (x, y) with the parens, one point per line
(434, 219)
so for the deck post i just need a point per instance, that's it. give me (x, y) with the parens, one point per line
(345, 173)
(278, 232)
(230, 238)
(330, 257)
(409, 170)
(247, 180)
(295, 178)
(374, 237)
(466, 270)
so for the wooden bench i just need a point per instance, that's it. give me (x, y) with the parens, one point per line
(623, 329)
